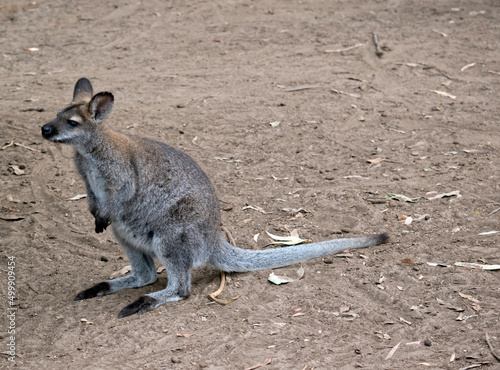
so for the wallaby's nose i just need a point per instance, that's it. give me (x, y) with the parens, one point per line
(47, 130)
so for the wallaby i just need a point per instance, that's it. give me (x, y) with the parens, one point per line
(160, 204)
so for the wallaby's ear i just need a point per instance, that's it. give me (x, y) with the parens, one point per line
(101, 105)
(83, 91)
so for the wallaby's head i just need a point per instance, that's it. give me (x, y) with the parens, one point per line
(77, 123)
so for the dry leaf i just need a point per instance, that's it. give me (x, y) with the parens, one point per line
(444, 93)
(278, 280)
(184, 335)
(266, 362)
(294, 211)
(438, 264)
(467, 66)
(463, 317)
(78, 196)
(376, 160)
(450, 194)
(17, 171)
(489, 232)
(301, 272)
(476, 307)
(121, 272)
(417, 144)
(469, 297)
(401, 197)
(343, 49)
(255, 208)
(407, 262)
(477, 266)
(344, 308)
(287, 240)
(392, 351)
(405, 321)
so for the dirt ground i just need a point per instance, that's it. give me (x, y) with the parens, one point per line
(416, 117)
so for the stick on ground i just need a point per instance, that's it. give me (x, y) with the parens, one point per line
(378, 48)
(496, 355)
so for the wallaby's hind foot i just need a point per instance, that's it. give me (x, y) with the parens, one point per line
(96, 291)
(143, 304)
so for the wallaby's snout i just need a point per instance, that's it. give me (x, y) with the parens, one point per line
(49, 131)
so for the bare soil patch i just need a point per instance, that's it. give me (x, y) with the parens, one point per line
(420, 119)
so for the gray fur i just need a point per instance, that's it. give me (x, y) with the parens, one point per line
(160, 204)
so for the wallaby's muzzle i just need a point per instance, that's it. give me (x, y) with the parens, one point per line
(49, 131)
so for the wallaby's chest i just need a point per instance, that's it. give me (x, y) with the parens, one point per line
(98, 184)
(95, 179)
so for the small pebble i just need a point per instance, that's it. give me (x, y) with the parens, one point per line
(427, 342)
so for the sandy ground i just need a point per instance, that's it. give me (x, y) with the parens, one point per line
(418, 119)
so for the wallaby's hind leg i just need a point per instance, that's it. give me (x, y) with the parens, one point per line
(143, 273)
(178, 287)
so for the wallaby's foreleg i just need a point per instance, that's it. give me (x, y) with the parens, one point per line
(101, 223)
(178, 288)
(143, 273)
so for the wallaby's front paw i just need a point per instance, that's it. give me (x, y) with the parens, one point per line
(101, 224)
(143, 304)
(95, 291)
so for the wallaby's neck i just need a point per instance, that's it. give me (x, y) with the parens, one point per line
(106, 144)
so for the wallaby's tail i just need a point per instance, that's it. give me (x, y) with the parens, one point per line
(232, 259)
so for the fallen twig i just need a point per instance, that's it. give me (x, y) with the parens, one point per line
(378, 48)
(477, 266)
(496, 355)
(344, 49)
(124, 271)
(444, 93)
(489, 232)
(467, 66)
(255, 208)
(494, 211)
(441, 33)
(26, 147)
(229, 235)
(9, 144)
(301, 88)
(266, 362)
(213, 296)
(344, 93)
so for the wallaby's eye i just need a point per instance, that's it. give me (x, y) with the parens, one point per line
(72, 123)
